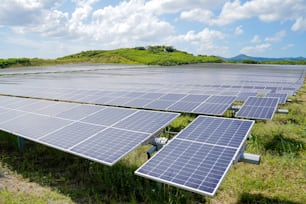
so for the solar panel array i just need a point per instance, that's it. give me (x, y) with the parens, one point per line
(188, 103)
(171, 88)
(258, 108)
(199, 157)
(103, 134)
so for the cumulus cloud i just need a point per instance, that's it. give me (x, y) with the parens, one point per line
(255, 49)
(299, 25)
(200, 15)
(256, 39)
(277, 37)
(173, 6)
(205, 41)
(127, 22)
(288, 46)
(266, 11)
(238, 30)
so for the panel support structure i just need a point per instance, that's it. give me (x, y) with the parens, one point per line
(250, 158)
(21, 144)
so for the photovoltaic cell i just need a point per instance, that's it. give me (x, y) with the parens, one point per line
(159, 104)
(282, 97)
(243, 96)
(33, 126)
(199, 157)
(215, 105)
(102, 147)
(84, 130)
(219, 131)
(146, 121)
(183, 106)
(258, 108)
(195, 98)
(71, 135)
(108, 116)
(211, 109)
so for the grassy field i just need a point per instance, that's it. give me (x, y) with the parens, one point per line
(44, 175)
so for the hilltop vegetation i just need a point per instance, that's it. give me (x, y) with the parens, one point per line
(151, 55)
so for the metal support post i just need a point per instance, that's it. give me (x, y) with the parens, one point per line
(21, 144)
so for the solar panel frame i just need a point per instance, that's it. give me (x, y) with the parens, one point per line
(160, 157)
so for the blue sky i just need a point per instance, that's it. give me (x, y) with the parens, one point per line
(55, 28)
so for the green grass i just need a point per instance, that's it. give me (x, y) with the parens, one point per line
(63, 178)
(150, 56)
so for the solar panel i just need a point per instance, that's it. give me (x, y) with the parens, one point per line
(258, 108)
(199, 157)
(102, 134)
(183, 106)
(159, 104)
(282, 97)
(110, 145)
(215, 105)
(243, 96)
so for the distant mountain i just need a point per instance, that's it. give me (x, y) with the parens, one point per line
(242, 57)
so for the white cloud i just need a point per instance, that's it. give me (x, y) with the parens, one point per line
(299, 25)
(239, 30)
(256, 39)
(266, 11)
(256, 49)
(200, 15)
(127, 24)
(204, 41)
(277, 37)
(174, 6)
(287, 47)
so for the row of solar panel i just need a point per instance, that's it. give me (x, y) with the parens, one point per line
(137, 92)
(102, 134)
(199, 157)
(189, 103)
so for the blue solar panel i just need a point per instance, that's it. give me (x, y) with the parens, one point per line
(146, 121)
(183, 106)
(221, 99)
(108, 116)
(215, 105)
(258, 108)
(79, 112)
(282, 97)
(229, 133)
(172, 97)
(138, 103)
(195, 98)
(211, 109)
(152, 95)
(159, 104)
(199, 157)
(110, 145)
(33, 126)
(84, 130)
(243, 96)
(71, 135)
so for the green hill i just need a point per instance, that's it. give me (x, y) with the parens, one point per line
(152, 55)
